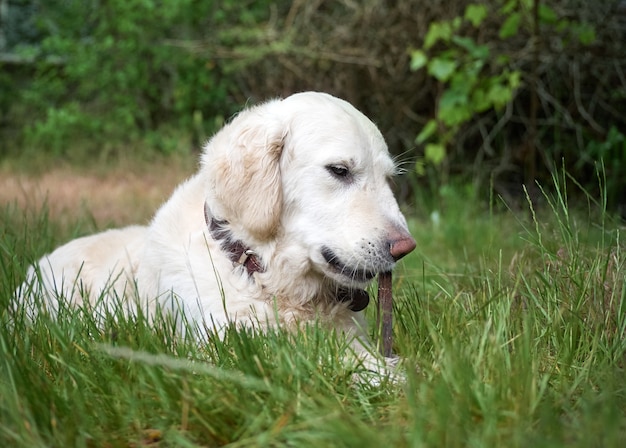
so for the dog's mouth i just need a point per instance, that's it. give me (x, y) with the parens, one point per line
(352, 274)
(356, 297)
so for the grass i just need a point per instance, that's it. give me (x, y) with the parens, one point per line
(516, 323)
(109, 193)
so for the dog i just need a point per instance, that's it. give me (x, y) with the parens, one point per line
(288, 218)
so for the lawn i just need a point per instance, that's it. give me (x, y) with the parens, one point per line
(511, 325)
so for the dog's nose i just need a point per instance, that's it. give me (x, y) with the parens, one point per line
(401, 244)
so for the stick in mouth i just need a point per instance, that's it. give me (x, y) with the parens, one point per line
(385, 311)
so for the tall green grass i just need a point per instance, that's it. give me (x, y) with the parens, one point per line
(512, 327)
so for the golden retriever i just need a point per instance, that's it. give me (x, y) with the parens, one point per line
(287, 220)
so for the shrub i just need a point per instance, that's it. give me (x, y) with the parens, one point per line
(362, 52)
(541, 80)
(123, 74)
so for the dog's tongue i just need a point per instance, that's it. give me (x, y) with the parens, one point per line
(358, 298)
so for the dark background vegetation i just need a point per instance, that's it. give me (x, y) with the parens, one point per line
(84, 78)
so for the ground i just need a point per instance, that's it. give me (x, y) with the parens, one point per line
(116, 196)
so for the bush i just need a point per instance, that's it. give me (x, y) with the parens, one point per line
(362, 52)
(552, 71)
(123, 74)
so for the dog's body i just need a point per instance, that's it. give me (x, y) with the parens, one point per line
(103, 264)
(288, 218)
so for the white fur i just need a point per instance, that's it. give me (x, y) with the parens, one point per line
(267, 174)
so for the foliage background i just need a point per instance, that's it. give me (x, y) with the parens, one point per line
(85, 78)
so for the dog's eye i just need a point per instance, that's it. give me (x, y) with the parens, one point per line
(340, 171)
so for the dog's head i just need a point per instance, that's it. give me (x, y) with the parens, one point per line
(312, 172)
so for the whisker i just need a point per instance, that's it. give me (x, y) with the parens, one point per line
(402, 163)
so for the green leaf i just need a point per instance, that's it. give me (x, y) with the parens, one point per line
(546, 14)
(463, 82)
(499, 95)
(515, 79)
(435, 153)
(563, 25)
(586, 33)
(480, 101)
(510, 26)
(427, 131)
(418, 59)
(420, 167)
(437, 31)
(508, 7)
(475, 50)
(441, 68)
(454, 107)
(503, 59)
(475, 14)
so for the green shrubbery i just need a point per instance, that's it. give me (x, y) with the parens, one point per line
(499, 92)
(122, 75)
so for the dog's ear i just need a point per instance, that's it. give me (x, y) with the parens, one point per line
(244, 164)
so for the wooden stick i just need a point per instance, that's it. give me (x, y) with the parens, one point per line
(385, 312)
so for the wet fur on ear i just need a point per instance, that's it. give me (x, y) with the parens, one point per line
(244, 170)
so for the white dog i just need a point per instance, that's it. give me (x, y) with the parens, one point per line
(287, 220)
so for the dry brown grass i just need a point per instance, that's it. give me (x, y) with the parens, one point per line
(114, 196)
